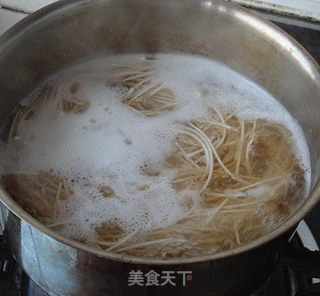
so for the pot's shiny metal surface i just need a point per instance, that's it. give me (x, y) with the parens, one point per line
(67, 31)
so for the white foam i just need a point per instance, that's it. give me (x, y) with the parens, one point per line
(93, 147)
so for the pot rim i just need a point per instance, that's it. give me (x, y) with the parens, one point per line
(307, 61)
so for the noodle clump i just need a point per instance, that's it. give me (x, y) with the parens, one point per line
(245, 173)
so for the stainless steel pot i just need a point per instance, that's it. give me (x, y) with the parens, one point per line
(67, 31)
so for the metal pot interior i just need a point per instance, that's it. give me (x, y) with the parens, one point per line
(66, 32)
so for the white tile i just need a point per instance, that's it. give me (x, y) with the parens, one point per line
(8, 18)
(307, 9)
(301, 8)
(25, 5)
(306, 5)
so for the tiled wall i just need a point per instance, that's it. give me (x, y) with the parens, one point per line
(309, 9)
(302, 8)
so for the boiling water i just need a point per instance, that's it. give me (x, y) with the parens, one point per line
(111, 145)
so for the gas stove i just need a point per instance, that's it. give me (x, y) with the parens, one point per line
(298, 274)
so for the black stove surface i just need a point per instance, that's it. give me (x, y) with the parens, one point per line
(293, 277)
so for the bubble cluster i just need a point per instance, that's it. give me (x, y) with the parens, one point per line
(110, 145)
